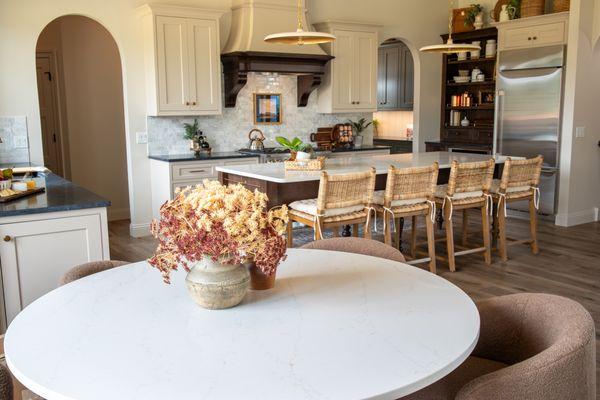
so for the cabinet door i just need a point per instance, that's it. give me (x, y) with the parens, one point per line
(516, 38)
(549, 34)
(204, 66)
(406, 80)
(387, 78)
(343, 70)
(172, 63)
(365, 71)
(36, 253)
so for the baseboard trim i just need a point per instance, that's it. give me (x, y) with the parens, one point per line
(577, 218)
(117, 214)
(139, 230)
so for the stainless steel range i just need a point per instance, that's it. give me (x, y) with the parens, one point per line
(269, 154)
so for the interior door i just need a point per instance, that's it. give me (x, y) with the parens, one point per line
(48, 101)
(343, 70)
(204, 67)
(365, 70)
(36, 253)
(172, 63)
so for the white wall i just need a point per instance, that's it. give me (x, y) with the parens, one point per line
(90, 73)
(579, 193)
(22, 21)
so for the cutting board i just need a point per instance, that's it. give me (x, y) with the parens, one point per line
(22, 194)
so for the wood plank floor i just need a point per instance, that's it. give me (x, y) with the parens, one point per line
(568, 264)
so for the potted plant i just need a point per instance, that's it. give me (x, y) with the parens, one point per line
(358, 128)
(475, 16)
(211, 230)
(191, 134)
(376, 125)
(298, 149)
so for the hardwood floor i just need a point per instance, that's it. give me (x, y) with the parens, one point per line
(568, 264)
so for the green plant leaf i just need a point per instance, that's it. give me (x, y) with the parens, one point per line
(283, 141)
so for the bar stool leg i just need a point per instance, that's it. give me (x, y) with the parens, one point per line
(485, 222)
(431, 244)
(289, 234)
(502, 232)
(318, 231)
(449, 238)
(413, 237)
(368, 229)
(533, 226)
(354, 230)
(336, 231)
(465, 226)
(387, 234)
(399, 228)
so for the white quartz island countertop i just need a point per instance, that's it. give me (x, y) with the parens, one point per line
(276, 172)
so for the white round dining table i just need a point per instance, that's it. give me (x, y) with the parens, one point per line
(336, 326)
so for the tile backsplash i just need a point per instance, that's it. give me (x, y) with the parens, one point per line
(13, 134)
(229, 131)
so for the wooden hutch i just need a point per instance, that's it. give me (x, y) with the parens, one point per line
(478, 136)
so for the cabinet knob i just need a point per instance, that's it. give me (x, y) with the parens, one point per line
(7, 238)
(535, 38)
(529, 38)
(187, 103)
(193, 103)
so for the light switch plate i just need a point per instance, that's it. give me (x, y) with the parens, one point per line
(141, 137)
(580, 132)
(20, 142)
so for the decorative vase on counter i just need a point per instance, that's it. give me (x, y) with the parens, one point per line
(195, 146)
(216, 285)
(478, 23)
(258, 279)
(302, 155)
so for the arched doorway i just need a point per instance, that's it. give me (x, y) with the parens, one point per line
(395, 93)
(80, 92)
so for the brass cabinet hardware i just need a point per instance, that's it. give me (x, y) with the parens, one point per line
(193, 103)
(7, 238)
(196, 171)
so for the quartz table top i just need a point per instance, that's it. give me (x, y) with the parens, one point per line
(336, 326)
(276, 172)
(60, 195)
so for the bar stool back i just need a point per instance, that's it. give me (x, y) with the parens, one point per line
(519, 182)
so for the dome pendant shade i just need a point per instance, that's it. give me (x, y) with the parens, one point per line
(300, 37)
(450, 47)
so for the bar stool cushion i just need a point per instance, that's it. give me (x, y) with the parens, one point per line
(379, 196)
(309, 206)
(441, 190)
(495, 188)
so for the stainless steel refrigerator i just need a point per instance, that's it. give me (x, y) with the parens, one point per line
(528, 112)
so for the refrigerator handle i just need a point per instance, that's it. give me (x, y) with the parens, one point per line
(498, 125)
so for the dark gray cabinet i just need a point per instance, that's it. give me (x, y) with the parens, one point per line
(395, 77)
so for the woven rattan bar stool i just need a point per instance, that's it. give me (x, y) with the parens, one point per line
(342, 200)
(468, 188)
(519, 182)
(409, 192)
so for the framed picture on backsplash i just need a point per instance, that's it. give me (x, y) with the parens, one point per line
(267, 108)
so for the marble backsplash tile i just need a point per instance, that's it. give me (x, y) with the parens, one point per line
(13, 134)
(228, 132)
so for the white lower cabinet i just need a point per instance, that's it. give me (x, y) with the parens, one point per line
(37, 249)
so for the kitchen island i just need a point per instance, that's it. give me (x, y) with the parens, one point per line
(284, 187)
(46, 234)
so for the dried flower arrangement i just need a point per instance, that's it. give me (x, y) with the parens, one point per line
(227, 223)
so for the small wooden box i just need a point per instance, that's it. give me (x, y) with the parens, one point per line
(459, 16)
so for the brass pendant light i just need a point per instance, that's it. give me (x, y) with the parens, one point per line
(300, 36)
(450, 47)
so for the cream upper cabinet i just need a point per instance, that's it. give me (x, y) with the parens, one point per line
(350, 84)
(182, 56)
(543, 30)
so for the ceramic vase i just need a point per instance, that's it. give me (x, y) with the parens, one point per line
(217, 285)
(478, 23)
(258, 279)
(302, 155)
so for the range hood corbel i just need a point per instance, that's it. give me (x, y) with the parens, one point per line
(309, 69)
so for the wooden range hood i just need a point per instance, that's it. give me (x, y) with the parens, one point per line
(309, 69)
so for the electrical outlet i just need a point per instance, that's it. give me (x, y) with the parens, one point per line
(141, 137)
(20, 142)
(580, 132)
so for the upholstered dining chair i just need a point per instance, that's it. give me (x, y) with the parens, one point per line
(342, 200)
(531, 346)
(86, 269)
(409, 192)
(6, 384)
(357, 246)
(468, 188)
(519, 182)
